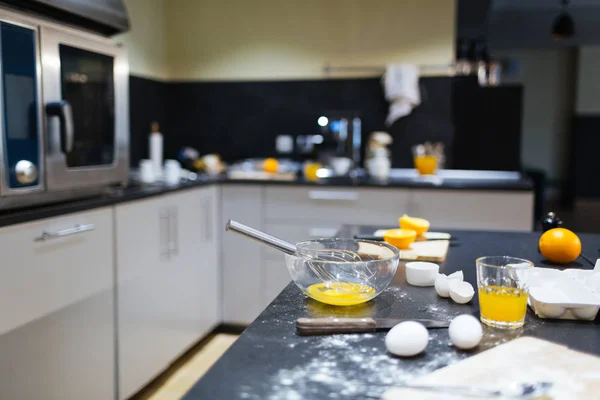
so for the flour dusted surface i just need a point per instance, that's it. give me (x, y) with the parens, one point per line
(351, 366)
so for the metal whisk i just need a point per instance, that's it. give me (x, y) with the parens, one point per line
(320, 260)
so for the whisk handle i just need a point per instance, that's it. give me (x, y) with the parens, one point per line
(261, 237)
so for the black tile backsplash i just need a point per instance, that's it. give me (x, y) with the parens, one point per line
(242, 119)
(147, 103)
(584, 145)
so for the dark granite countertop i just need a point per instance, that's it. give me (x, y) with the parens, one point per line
(137, 191)
(269, 361)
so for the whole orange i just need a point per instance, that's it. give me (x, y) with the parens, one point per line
(271, 165)
(560, 245)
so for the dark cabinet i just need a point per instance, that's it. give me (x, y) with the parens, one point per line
(107, 17)
(487, 122)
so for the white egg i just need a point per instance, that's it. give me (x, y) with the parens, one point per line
(545, 301)
(442, 283)
(465, 331)
(407, 339)
(460, 292)
(421, 273)
(588, 313)
(550, 310)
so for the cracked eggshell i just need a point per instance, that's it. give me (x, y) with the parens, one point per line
(421, 273)
(441, 285)
(461, 292)
(442, 281)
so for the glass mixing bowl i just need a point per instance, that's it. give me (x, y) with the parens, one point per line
(343, 271)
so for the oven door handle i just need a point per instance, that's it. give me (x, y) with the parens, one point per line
(62, 110)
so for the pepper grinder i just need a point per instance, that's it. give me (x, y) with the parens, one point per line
(551, 221)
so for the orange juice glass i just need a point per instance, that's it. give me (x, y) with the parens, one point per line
(503, 290)
(310, 170)
(425, 159)
(426, 165)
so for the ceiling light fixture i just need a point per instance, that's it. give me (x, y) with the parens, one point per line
(564, 25)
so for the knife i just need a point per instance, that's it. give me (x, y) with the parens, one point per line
(330, 326)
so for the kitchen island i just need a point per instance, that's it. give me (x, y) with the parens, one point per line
(270, 361)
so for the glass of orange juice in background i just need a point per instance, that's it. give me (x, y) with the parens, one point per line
(426, 158)
(310, 170)
(503, 290)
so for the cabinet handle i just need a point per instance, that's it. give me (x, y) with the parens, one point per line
(332, 196)
(65, 232)
(164, 234)
(173, 231)
(322, 232)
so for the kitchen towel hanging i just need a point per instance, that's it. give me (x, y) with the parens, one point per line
(401, 87)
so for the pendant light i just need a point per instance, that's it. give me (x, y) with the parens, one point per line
(564, 25)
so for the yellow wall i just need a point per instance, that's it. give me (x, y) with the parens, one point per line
(146, 41)
(294, 39)
(283, 39)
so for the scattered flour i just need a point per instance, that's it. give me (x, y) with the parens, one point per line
(350, 366)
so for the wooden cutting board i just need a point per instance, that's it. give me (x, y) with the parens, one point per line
(575, 375)
(432, 251)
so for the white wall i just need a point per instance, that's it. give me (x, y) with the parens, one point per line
(294, 39)
(146, 41)
(549, 84)
(588, 81)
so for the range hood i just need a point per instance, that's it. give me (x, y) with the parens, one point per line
(516, 24)
(107, 17)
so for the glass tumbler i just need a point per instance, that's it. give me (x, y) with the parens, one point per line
(503, 290)
(425, 159)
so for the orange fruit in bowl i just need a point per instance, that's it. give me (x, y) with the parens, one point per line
(560, 245)
(418, 225)
(400, 238)
(271, 165)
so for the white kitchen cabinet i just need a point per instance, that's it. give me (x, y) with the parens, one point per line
(167, 280)
(474, 209)
(276, 278)
(57, 305)
(335, 205)
(241, 258)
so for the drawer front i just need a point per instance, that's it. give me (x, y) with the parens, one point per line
(50, 264)
(338, 205)
(476, 209)
(297, 232)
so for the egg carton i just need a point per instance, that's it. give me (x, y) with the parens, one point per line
(568, 294)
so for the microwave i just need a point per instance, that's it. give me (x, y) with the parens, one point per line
(64, 112)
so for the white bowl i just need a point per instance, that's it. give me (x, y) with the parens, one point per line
(341, 165)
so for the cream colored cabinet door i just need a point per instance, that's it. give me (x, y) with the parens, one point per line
(168, 284)
(474, 209)
(142, 269)
(276, 278)
(57, 338)
(241, 258)
(192, 282)
(375, 206)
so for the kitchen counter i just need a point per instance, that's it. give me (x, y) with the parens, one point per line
(269, 361)
(137, 191)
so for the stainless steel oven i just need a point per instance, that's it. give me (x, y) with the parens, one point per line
(64, 112)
